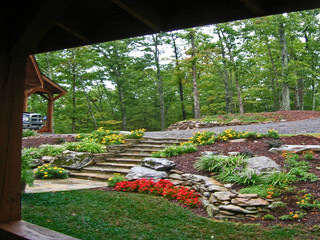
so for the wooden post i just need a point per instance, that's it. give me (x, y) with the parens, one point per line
(12, 76)
(25, 102)
(50, 114)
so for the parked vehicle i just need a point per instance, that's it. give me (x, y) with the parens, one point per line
(32, 121)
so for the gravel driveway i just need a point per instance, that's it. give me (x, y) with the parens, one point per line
(296, 127)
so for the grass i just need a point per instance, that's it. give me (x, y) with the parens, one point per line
(96, 214)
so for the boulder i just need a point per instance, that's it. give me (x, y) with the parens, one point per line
(261, 165)
(160, 164)
(234, 208)
(143, 172)
(215, 188)
(212, 210)
(175, 176)
(73, 160)
(295, 148)
(224, 196)
(248, 202)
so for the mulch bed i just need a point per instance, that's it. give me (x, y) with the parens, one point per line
(36, 141)
(260, 147)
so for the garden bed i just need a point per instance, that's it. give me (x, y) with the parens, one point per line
(259, 147)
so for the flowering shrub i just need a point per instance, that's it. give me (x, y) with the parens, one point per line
(91, 147)
(308, 155)
(273, 134)
(117, 177)
(136, 134)
(203, 138)
(308, 202)
(49, 172)
(291, 216)
(163, 188)
(176, 150)
(98, 136)
(113, 139)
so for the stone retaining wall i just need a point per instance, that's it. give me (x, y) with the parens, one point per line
(220, 201)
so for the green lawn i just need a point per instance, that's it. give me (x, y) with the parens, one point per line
(95, 214)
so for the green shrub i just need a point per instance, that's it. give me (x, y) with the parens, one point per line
(49, 172)
(268, 217)
(273, 134)
(247, 178)
(136, 134)
(277, 205)
(28, 133)
(115, 179)
(281, 179)
(292, 216)
(308, 201)
(27, 175)
(174, 150)
(308, 155)
(216, 163)
(99, 136)
(261, 190)
(203, 138)
(51, 150)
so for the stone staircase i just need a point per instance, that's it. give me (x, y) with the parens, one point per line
(120, 158)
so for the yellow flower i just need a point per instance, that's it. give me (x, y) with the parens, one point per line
(45, 176)
(60, 171)
(295, 216)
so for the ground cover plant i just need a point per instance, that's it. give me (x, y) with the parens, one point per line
(48, 171)
(98, 214)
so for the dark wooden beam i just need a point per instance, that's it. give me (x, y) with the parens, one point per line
(254, 7)
(141, 14)
(39, 26)
(72, 32)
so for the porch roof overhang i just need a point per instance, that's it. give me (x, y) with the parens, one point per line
(71, 23)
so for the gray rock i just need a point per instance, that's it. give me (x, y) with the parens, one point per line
(206, 194)
(73, 160)
(246, 202)
(213, 199)
(215, 188)
(249, 195)
(295, 148)
(176, 182)
(228, 185)
(175, 176)
(234, 208)
(48, 159)
(212, 210)
(240, 140)
(143, 172)
(261, 165)
(223, 196)
(205, 203)
(227, 213)
(208, 153)
(233, 153)
(160, 164)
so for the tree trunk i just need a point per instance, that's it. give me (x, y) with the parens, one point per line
(123, 108)
(298, 95)
(196, 102)
(159, 81)
(175, 49)
(285, 101)
(274, 81)
(226, 76)
(73, 89)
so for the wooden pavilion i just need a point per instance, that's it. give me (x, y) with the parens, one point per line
(37, 83)
(30, 27)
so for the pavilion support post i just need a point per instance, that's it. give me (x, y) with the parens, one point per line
(12, 76)
(25, 102)
(50, 114)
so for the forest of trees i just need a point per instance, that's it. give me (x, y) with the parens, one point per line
(263, 64)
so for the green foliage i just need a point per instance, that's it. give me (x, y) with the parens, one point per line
(247, 178)
(50, 150)
(293, 216)
(28, 133)
(90, 147)
(280, 179)
(176, 150)
(273, 134)
(135, 134)
(203, 138)
(50, 172)
(27, 175)
(308, 155)
(268, 217)
(308, 201)
(115, 179)
(216, 163)
(101, 135)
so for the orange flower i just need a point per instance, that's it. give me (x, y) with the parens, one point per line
(295, 216)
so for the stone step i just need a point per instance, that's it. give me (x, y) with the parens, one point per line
(160, 142)
(133, 155)
(148, 146)
(123, 160)
(142, 150)
(104, 170)
(91, 176)
(115, 165)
